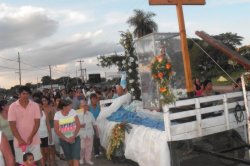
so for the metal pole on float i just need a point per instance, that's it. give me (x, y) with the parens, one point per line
(246, 102)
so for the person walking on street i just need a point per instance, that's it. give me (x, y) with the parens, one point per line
(67, 126)
(4, 124)
(24, 118)
(44, 134)
(6, 156)
(94, 108)
(88, 125)
(50, 111)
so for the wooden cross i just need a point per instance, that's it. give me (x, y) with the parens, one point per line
(184, 47)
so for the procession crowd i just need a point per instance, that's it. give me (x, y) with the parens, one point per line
(205, 88)
(37, 126)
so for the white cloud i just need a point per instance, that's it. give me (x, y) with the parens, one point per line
(227, 2)
(62, 67)
(78, 46)
(116, 17)
(70, 17)
(18, 13)
(168, 27)
(24, 25)
(28, 24)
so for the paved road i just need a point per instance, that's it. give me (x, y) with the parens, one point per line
(100, 161)
(203, 160)
(206, 160)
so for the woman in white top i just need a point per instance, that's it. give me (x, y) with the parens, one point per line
(6, 156)
(88, 125)
(4, 123)
(44, 132)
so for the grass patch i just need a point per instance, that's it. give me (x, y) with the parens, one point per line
(234, 75)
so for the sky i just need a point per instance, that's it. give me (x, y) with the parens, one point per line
(61, 32)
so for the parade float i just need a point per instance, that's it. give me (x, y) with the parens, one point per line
(170, 127)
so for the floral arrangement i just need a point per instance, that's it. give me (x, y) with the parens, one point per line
(117, 137)
(161, 70)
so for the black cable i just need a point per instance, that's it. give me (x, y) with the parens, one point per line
(238, 113)
(12, 60)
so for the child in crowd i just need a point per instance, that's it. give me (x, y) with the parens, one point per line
(88, 125)
(238, 85)
(94, 108)
(28, 159)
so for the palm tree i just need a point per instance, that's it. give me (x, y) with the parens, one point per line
(143, 23)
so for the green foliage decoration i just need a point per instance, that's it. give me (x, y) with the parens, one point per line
(128, 63)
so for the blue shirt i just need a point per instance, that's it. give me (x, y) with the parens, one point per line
(95, 111)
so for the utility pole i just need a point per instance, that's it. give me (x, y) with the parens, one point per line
(19, 64)
(81, 69)
(76, 78)
(50, 77)
(85, 75)
(36, 82)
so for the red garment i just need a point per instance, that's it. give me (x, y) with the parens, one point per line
(198, 93)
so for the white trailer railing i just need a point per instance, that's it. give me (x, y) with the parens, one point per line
(221, 116)
(197, 117)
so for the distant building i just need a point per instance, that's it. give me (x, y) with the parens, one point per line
(54, 86)
(112, 75)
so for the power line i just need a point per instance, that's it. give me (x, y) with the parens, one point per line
(5, 67)
(34, 66)
(13, 60)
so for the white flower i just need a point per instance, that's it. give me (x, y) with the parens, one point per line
(131, 59)
(129, 64)
(123, 62)
(132, 89)
(130, 70)
(137, 62)
(117, 62)
(131, 81)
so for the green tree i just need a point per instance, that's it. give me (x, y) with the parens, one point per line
(203, 66)
(245, 51)
(232, 40)
(46, 80)
(112, 60)
(143, 23)
(30, 85)
(68, 82)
